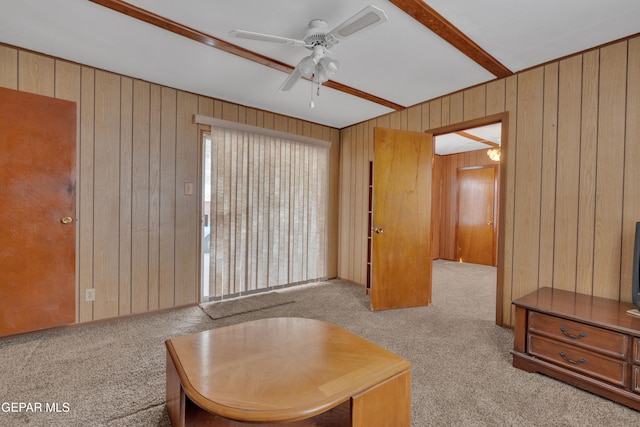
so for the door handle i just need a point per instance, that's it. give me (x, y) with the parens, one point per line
(378, 230)
(489, 222)
(66, 220)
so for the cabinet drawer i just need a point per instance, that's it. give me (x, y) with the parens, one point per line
(579, 359)
(603, 341)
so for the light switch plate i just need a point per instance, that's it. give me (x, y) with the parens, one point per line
(188, 188)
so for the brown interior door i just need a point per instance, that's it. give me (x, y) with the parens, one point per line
(37, 212)
(401, 261)
(476, 215)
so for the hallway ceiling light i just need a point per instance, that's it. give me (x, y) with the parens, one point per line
(494, 154)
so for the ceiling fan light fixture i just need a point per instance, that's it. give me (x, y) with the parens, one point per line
(322, 76)
(307, 67)
(327, 67)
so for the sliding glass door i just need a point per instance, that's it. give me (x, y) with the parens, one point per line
(264, 212)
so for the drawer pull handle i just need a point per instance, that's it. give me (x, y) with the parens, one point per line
(575, 362)
(575, 337)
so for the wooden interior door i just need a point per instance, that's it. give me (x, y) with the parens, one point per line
(401, 260)
(37, 212)
(476, 235)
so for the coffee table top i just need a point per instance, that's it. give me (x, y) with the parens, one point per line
(278, 369)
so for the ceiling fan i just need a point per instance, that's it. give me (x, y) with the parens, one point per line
(318, 67)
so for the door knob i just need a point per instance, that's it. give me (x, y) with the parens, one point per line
(66, 220)
(489, 222)
(378, 230)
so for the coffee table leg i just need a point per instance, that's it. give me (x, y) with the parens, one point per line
(386, 404)
(175, 395)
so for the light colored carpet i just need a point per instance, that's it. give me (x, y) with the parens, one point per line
(113, 373)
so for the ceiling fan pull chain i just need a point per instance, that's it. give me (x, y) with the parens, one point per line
(317, 75)
(311, 104)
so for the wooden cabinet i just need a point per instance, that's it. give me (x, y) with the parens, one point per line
(635, 370)
(589, 342)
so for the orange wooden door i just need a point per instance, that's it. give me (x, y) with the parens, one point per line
(401, 254)
(476, 215)
(37, 212)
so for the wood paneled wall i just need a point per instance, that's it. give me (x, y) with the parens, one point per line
(137, 146)
(571, 168)
(445, 198)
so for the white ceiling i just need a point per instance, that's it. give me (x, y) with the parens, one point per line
(400, 61)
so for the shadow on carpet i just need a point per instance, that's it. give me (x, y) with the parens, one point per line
(221, 309)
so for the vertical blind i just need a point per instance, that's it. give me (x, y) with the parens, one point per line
(268, 212)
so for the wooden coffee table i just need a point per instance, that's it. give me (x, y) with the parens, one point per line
(302, 372)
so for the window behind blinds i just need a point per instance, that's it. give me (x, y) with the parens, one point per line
(268, 212)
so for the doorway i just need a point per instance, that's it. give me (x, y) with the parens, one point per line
(467, 145)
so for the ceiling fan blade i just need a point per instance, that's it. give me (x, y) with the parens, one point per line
(290, 80)
(367, 18)
(266, 38)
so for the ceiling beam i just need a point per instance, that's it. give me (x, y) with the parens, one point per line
(435, 22)
(477, 138)
(193, 34)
